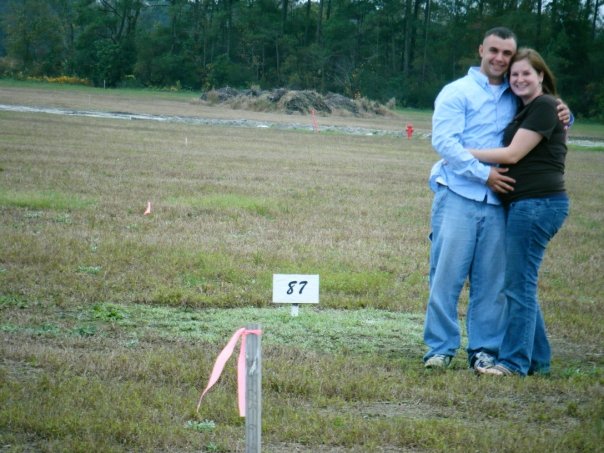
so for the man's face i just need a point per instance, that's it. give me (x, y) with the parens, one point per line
(495, 54)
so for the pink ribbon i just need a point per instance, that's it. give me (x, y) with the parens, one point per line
(315, 125)
(221, 361)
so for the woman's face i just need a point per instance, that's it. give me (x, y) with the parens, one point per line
(525, 81)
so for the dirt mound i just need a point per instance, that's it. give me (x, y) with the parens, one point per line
(293, 102)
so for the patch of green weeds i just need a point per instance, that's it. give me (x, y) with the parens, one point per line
(132, 343)
(357, 332)
(44, 329)
(356, 283)
(90, 270)
(8, 327)
(43, 200)
(85, 331)
(576, 147)
(212, 447)
(33, 214)
(168, 297)
(217, 266)
(193, 281)
(108, 312)
(224, 201)
(177, 297)
(64, 218)
(579, 371)
(13, 301)
(201, 426)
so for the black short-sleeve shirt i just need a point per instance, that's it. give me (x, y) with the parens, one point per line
(541, 171)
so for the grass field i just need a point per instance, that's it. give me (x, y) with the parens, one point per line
(110, 320)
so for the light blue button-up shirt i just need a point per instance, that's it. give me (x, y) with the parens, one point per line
(469, 113)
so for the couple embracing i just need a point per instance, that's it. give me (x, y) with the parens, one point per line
(499, 198)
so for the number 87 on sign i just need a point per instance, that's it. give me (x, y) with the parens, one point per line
(295, 289)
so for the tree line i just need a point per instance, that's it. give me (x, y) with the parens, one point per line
(404, 50)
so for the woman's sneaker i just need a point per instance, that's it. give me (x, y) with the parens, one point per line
(438, 361)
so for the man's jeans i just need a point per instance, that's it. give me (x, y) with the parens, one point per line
(467, 241)
(531, 224)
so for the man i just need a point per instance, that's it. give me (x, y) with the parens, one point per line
(468, 221)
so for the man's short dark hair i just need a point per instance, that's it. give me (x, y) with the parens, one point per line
(501, 32)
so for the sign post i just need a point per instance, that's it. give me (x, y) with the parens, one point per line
(295, 289)
(253, 391)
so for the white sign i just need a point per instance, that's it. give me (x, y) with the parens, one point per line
(295, 289)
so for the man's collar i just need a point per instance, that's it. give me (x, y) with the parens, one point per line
(483, 80)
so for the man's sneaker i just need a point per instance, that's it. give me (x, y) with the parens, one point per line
(483, 360)
(438, 361)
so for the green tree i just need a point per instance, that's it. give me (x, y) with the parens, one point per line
(163, 46)
(260, 32)
(34, 39)
(105, 47)
(573, 55)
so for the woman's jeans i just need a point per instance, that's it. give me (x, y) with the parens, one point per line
(531, 224)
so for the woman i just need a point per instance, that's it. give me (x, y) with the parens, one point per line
(535, 150)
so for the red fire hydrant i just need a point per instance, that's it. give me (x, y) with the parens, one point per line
(409, 131)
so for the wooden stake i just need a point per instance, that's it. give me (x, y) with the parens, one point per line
(253, 391)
